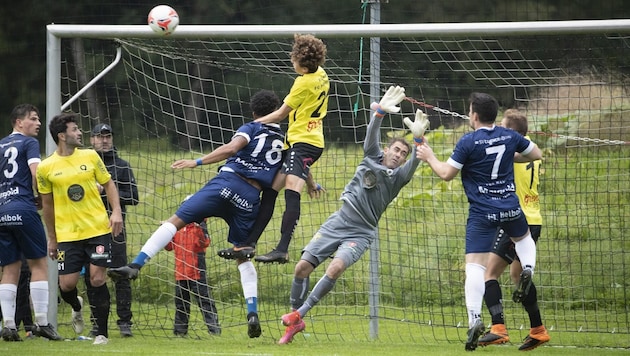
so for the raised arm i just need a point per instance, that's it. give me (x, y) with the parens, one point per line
(275, 116)
(441, 169)
(223, 152)
(388, 104)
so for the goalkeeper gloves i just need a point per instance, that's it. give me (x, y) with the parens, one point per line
(418, 126)
(388, 104)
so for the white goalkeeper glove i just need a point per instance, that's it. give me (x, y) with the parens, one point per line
(388, 104)
(418, 126)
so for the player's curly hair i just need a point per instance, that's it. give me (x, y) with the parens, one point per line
(264, 102)
(308, 51)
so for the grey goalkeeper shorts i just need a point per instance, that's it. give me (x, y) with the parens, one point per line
(343, 235)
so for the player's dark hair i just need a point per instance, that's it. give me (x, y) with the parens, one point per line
(21, 111)
(59, 124)
(264, 102)
(516, 121)
(401, 140)
(486, 106)
(308, 51)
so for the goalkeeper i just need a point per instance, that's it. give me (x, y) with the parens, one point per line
(349, 232)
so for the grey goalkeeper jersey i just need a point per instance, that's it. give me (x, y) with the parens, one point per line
(374, 186)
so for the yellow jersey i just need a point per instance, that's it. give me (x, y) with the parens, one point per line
(526, 179)
(309, 100)
(79, 210)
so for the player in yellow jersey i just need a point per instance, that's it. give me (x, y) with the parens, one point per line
(306, 106)
(79, 228)
(526, 178)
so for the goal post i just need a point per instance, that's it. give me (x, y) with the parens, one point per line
(185, 94)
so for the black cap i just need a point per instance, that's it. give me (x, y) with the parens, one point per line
(101, 129)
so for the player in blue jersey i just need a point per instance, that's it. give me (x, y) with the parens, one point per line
(526, 178)
(253, 157)
(486, 159)
(21, 228)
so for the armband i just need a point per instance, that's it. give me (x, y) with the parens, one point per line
(199, 162)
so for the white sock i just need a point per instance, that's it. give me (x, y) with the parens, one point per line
(526, 251)
(474, 288)
(160, 238)
(249, 279)
(7, 303)
(39, 297)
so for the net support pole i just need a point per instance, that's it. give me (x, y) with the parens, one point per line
(94, 80)
(53, 108)
(53, 103)
(375, 79)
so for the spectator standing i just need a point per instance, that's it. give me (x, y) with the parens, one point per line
(189, 245)
(102, 141)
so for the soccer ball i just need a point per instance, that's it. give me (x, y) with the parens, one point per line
(163, 19)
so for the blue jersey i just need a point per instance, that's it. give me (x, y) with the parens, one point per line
(17, 152)
(486, 160)
(262, 156)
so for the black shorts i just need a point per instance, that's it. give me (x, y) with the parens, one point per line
(299, 158)
(72, 256)
(504, 247)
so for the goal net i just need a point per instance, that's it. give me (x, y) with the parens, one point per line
(183, 96)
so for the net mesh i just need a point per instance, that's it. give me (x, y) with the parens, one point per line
(173, 99)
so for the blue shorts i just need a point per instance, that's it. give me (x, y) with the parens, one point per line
(21, 234)
(229, 197)
(481, 228)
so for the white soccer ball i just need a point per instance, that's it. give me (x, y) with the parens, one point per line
(163, 19)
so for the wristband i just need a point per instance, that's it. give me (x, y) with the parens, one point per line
(379, 112)
(199, 162)
(417, 141)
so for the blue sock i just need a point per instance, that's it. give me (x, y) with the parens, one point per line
(252, 305)
(141, 259)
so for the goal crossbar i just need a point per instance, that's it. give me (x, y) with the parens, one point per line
(347, 30)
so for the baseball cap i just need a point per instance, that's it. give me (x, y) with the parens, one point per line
(102, 129)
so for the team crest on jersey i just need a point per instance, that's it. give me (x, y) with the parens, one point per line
(369, 179)
(76, 192)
